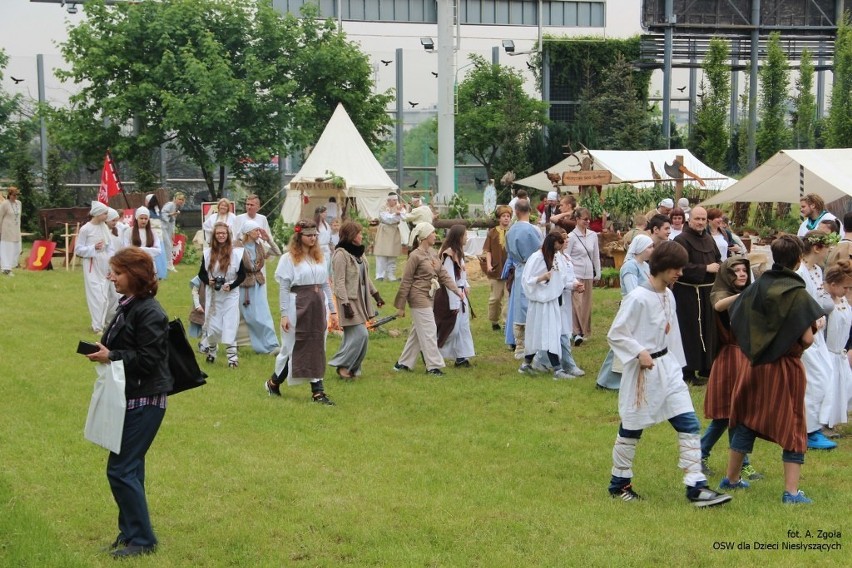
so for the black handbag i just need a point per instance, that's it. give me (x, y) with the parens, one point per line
(182, 364)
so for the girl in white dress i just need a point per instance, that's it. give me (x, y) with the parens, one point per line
(544, 282)
(94, 246)
(142, 235)
(838, 282)
(816, 358)
(222, 269)
(459, 344)
(305, 301)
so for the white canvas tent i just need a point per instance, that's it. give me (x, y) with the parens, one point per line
(634, 167)
(789, 174)
(341, 150)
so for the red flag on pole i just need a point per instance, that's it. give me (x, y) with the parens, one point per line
(109, 180)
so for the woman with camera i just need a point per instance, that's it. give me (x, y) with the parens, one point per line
(138, 337)
(222, 269)
(306, 303)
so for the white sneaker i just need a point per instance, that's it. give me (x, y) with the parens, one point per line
(561, 375)
(577, 371)
(519, 356)
(539, 367)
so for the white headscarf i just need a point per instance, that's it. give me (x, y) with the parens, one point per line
(638, 245)
(248, 227)
(98, 208)
(421, 231)
(112, 214)
(142, 211)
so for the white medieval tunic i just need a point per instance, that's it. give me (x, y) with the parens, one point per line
(544, 314)
(10, 234)
(835, 407)
(459, 345)
(222, 309)
(95, 270)
(649, 396)
(324, 243)
(388, 238)
(161, 264)
(303, 290)
(816, 359)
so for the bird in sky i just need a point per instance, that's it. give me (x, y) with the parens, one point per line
(413, 104)
(16, 80)
(682, 89)
(414, 184)
(386, 61)
(434, 73)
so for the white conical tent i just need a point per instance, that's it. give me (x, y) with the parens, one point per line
(342, 150)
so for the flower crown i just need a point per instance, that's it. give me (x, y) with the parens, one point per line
(825, 239)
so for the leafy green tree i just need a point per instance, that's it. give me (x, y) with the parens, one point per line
(616, 111)
(710, 137)
(22, 165)
(227, 83)
(804, 122)
(773, 134)
(839, 133)
(495, 114)
(57, 194)
(8, 107)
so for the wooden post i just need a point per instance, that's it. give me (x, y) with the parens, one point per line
(679, 183)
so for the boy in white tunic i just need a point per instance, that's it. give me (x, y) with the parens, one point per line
(645, 337)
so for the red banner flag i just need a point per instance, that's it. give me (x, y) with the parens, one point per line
(109, 181)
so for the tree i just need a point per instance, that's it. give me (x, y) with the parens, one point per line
(616, 111)
(773, 134)
(8, 107)
(710, 136)
(22, 165)
(495, 115)
(804, 121)
(840, 113)
(228, 83)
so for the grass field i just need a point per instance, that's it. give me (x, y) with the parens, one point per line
(484, 467)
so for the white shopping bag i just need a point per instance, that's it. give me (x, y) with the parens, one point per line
(105, 422)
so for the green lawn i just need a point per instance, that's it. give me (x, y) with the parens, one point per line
(484, 467)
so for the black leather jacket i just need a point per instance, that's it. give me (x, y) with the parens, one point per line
(140, 340)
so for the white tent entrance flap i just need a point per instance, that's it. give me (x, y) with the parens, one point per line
(790, 174)
(342, 150)
(633, 167)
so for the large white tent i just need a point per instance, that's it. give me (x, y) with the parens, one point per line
(341, 150)
(634, 167)
(789, 174)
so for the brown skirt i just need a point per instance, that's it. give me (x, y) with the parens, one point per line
(308, 360)
(728, 365)
(771, 401)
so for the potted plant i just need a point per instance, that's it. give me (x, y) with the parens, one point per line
(610, 278)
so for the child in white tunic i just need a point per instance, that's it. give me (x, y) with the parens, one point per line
(459, 344)
(222, 269)
(838, 281)
(816, 358)
(95, 247)
(544, 282)
(645, 337)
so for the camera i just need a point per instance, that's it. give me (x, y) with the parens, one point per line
(218, 282)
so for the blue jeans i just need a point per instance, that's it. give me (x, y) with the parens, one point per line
(712, 434)
(126, 474)
(686, 423)
(742, 441)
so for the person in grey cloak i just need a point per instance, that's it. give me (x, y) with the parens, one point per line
(353, 291)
